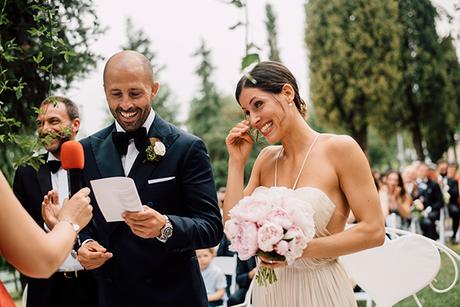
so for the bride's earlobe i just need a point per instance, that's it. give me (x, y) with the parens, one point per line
(288, 92)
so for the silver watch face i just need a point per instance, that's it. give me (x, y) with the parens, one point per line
(167, 232)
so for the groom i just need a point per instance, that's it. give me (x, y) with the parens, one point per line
(149, 259)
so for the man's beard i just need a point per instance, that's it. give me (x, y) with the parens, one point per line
(49, 138)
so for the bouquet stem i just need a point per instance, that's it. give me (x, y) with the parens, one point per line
(265, 275)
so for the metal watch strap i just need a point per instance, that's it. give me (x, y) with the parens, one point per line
(165, 231)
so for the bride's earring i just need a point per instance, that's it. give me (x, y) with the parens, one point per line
(290, 104)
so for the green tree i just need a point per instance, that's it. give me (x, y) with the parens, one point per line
(164, 103)
(212, 116)
(207, 103)
(425, 100)
(452, 89)
(354, 56)
(44, 47)
(272, 34)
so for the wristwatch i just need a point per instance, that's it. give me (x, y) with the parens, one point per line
(166, 231)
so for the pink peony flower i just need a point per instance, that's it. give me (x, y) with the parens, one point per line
(282, 247)
(243, 238)
(280, 217)
(269, 235)
(301, 214)
(297, 243)
(250, 209)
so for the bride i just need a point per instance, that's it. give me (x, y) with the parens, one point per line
(330, 171)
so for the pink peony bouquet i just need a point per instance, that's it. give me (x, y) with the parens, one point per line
(273, 223)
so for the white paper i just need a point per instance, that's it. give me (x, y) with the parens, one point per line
(115, 195)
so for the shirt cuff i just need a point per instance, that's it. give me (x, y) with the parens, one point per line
(86, 241)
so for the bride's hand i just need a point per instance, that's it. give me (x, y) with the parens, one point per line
(239, 142)
(272, 264)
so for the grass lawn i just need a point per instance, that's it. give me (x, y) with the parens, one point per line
(428, 297)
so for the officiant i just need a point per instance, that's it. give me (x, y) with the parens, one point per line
(58, 120)
(149, 258)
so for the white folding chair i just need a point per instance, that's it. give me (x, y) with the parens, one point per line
(228, 266)
(376, 278)
(248, 297)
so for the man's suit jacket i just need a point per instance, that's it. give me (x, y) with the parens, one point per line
(147, 272)
(430, 193)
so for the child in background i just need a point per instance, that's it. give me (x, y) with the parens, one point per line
(214, 278)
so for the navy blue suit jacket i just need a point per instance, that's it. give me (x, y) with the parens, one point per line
(147, 272)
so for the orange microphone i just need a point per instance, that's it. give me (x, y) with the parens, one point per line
(73, 160)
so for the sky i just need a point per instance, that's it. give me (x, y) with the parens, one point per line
(176, 28)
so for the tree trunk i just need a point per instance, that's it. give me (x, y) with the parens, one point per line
(417, 141)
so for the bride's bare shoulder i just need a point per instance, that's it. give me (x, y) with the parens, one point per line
(338, 142)
(269, 152)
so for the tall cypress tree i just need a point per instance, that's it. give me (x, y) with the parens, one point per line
(354, 56)
(423, 77)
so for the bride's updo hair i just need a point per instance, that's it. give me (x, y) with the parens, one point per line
(270, 77)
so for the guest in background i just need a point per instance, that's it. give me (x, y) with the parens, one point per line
(395, 199)
(214, 278)
(58, 121)
(454, 199)
(429, 193)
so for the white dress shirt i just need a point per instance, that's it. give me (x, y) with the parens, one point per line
(127, 160)
(59, 183)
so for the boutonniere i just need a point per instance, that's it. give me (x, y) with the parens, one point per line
(155, 150)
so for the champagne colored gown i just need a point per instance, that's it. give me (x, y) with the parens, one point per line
(309, 282)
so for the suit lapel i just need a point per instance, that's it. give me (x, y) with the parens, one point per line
(143, 169)
(107, 158)
(108, 161)
(44, 177)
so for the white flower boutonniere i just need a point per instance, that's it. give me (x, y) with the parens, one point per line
(155, 150)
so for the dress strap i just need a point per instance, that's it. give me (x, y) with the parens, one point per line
(301, 168)
(305, 160)
(276, 166)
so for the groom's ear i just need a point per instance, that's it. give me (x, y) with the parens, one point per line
(155, 88)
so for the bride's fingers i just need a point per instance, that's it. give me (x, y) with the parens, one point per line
(240, 129)
(237, 137)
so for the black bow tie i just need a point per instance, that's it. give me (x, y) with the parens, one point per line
(54, 165)
(121, 140)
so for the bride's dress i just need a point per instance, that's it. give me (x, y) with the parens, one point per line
(308, 282)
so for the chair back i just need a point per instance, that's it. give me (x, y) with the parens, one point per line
(228, 266)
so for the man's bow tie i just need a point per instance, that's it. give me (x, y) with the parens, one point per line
(54, 165)
(121, 140)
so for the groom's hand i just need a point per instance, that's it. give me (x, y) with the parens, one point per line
(92, 255)
(145, 224)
